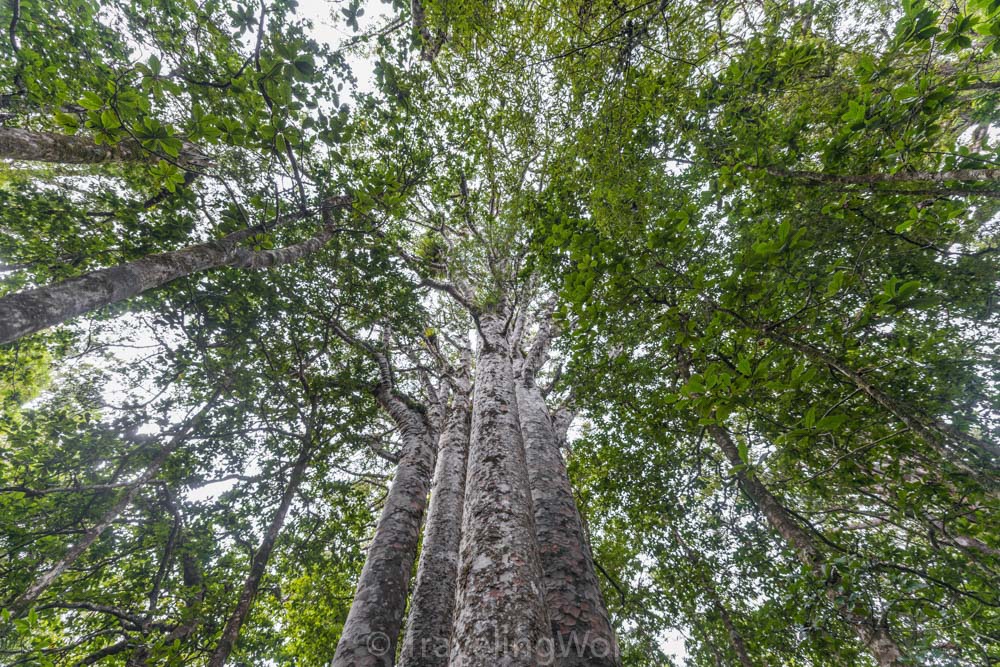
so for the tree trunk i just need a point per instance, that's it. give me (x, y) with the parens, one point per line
(501, 618)
(581, 628)
(873, 634)
(259, 563)
(735, 638)
(736, 641)
(21, 604)
(376, 616)
(428, 628)
(26, 312)
(20, 144)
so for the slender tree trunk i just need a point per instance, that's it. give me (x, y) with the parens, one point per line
(735, 638)
(736, 641)
(427, 640)
(581, 628)
(501, 617)
(26, 312)
(872, 633)
(258, 565)
(193, 580)
(372, 628)
(21, 604)
(20, 144)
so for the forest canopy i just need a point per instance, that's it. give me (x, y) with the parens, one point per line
(591, 333)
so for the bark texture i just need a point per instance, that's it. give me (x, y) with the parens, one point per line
(258, 565)
(373, 624)
(581, 629)
(428, 627)
(20, 144)
(30, 311)
(501, 619)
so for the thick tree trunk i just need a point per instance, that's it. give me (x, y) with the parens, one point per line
(26, 312)
(873, 634)
(427, 640)
(373, 624)
(20, 144)
(21, 604)
(501, 618)
(258, 565)
(581, 628)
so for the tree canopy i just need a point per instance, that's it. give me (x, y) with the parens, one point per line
(738, 261)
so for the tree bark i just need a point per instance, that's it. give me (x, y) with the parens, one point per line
(258, 565)
(427, 640)
(872, 633)
(21, 604)
(501, 618)
(27, 312)
(581, 629)
(20, 144)
(372, 628)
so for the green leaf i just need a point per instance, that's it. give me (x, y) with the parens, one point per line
(91, 101)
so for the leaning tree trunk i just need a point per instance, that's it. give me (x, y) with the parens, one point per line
(429, 623)
(736, 641)
(259, 563)
(872, 633)
(376, 616)
(21, 604)
(501, 617)
(20, 144)
(581, 629)
(24, 313)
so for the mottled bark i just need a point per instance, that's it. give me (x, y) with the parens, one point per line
(581, 629)
(21, 604)
(501, 618)
(258, 565)
(432, 42)
(30, 311)
(427, 640)
(872, 633)
(20, 144)
(372, 628)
